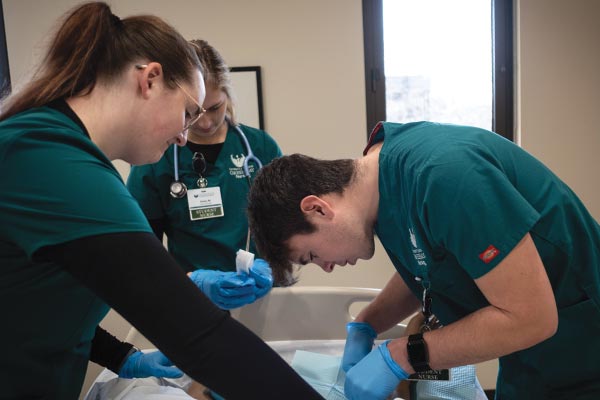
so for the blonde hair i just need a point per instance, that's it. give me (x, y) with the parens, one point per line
(216, 72)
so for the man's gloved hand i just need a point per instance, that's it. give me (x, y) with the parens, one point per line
(359, 343)
(143, 365)
(263, 277)
(375, 376)
(226, 289)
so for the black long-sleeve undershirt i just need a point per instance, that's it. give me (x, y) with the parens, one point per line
(158, 227)
(108, 351)
(134, 274)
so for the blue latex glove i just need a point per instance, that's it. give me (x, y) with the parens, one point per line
(143, 365)
(263, 277)
(226, 289)
(375, 376)
(359, 343)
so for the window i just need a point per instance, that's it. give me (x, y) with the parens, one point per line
(4, 71)
(439, 60)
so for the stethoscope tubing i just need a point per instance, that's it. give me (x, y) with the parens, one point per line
(250, 157)
(175, 162)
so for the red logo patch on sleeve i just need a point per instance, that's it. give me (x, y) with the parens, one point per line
(489, 254)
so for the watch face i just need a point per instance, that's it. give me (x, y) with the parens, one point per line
(417, 352)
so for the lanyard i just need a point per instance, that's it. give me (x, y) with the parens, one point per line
(430, 319)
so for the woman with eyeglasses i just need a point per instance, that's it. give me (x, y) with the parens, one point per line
(74, 242)
(205, 245)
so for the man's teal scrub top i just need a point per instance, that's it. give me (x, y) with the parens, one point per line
(205, 243)
(56, 186)
(454, 201)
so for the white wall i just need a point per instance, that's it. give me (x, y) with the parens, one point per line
(311, 54)
(559, 64)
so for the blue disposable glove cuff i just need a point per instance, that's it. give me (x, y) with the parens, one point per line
(374, 377)
(392, 365)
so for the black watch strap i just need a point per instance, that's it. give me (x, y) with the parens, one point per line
(417, 353)
(129, 354)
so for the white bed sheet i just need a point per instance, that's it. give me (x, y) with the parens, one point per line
(108, 386)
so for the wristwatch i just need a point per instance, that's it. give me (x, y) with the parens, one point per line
(131, 351)
(417, 353)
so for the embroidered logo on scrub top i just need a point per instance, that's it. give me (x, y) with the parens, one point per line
(489, 254)
(418, 253)
(238, 161)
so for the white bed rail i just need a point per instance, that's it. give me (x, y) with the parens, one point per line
(299, 313)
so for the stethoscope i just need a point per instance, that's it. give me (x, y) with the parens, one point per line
(178, 189)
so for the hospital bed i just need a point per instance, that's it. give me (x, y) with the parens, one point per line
(289, 319)
(299, 313)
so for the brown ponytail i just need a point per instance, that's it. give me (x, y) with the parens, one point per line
(93, 43)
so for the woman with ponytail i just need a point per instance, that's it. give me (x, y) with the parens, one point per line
(74, 242)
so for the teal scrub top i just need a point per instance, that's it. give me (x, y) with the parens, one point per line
(456, 200)
(56, 186)
(206, 243)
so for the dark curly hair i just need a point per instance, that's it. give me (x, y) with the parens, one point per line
(274, 212)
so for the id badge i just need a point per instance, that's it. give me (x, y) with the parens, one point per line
(431, 375)
(205, 203)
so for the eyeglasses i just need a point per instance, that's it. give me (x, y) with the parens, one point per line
(199, 111)
(191, 120)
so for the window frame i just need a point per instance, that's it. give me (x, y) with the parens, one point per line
(5, 84)
(502, 59)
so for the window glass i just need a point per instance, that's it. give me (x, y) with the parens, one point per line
(438, 61)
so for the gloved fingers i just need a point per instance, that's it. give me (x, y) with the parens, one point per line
(261, 291)
(262, 274)
(143, 365)
(236, 291)
(199, 275)
(360, 328)
(353, 354)
(232, 280)
(161, 366)
(168, 372)
(359, 343)
(228, 303)
(159, 358)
